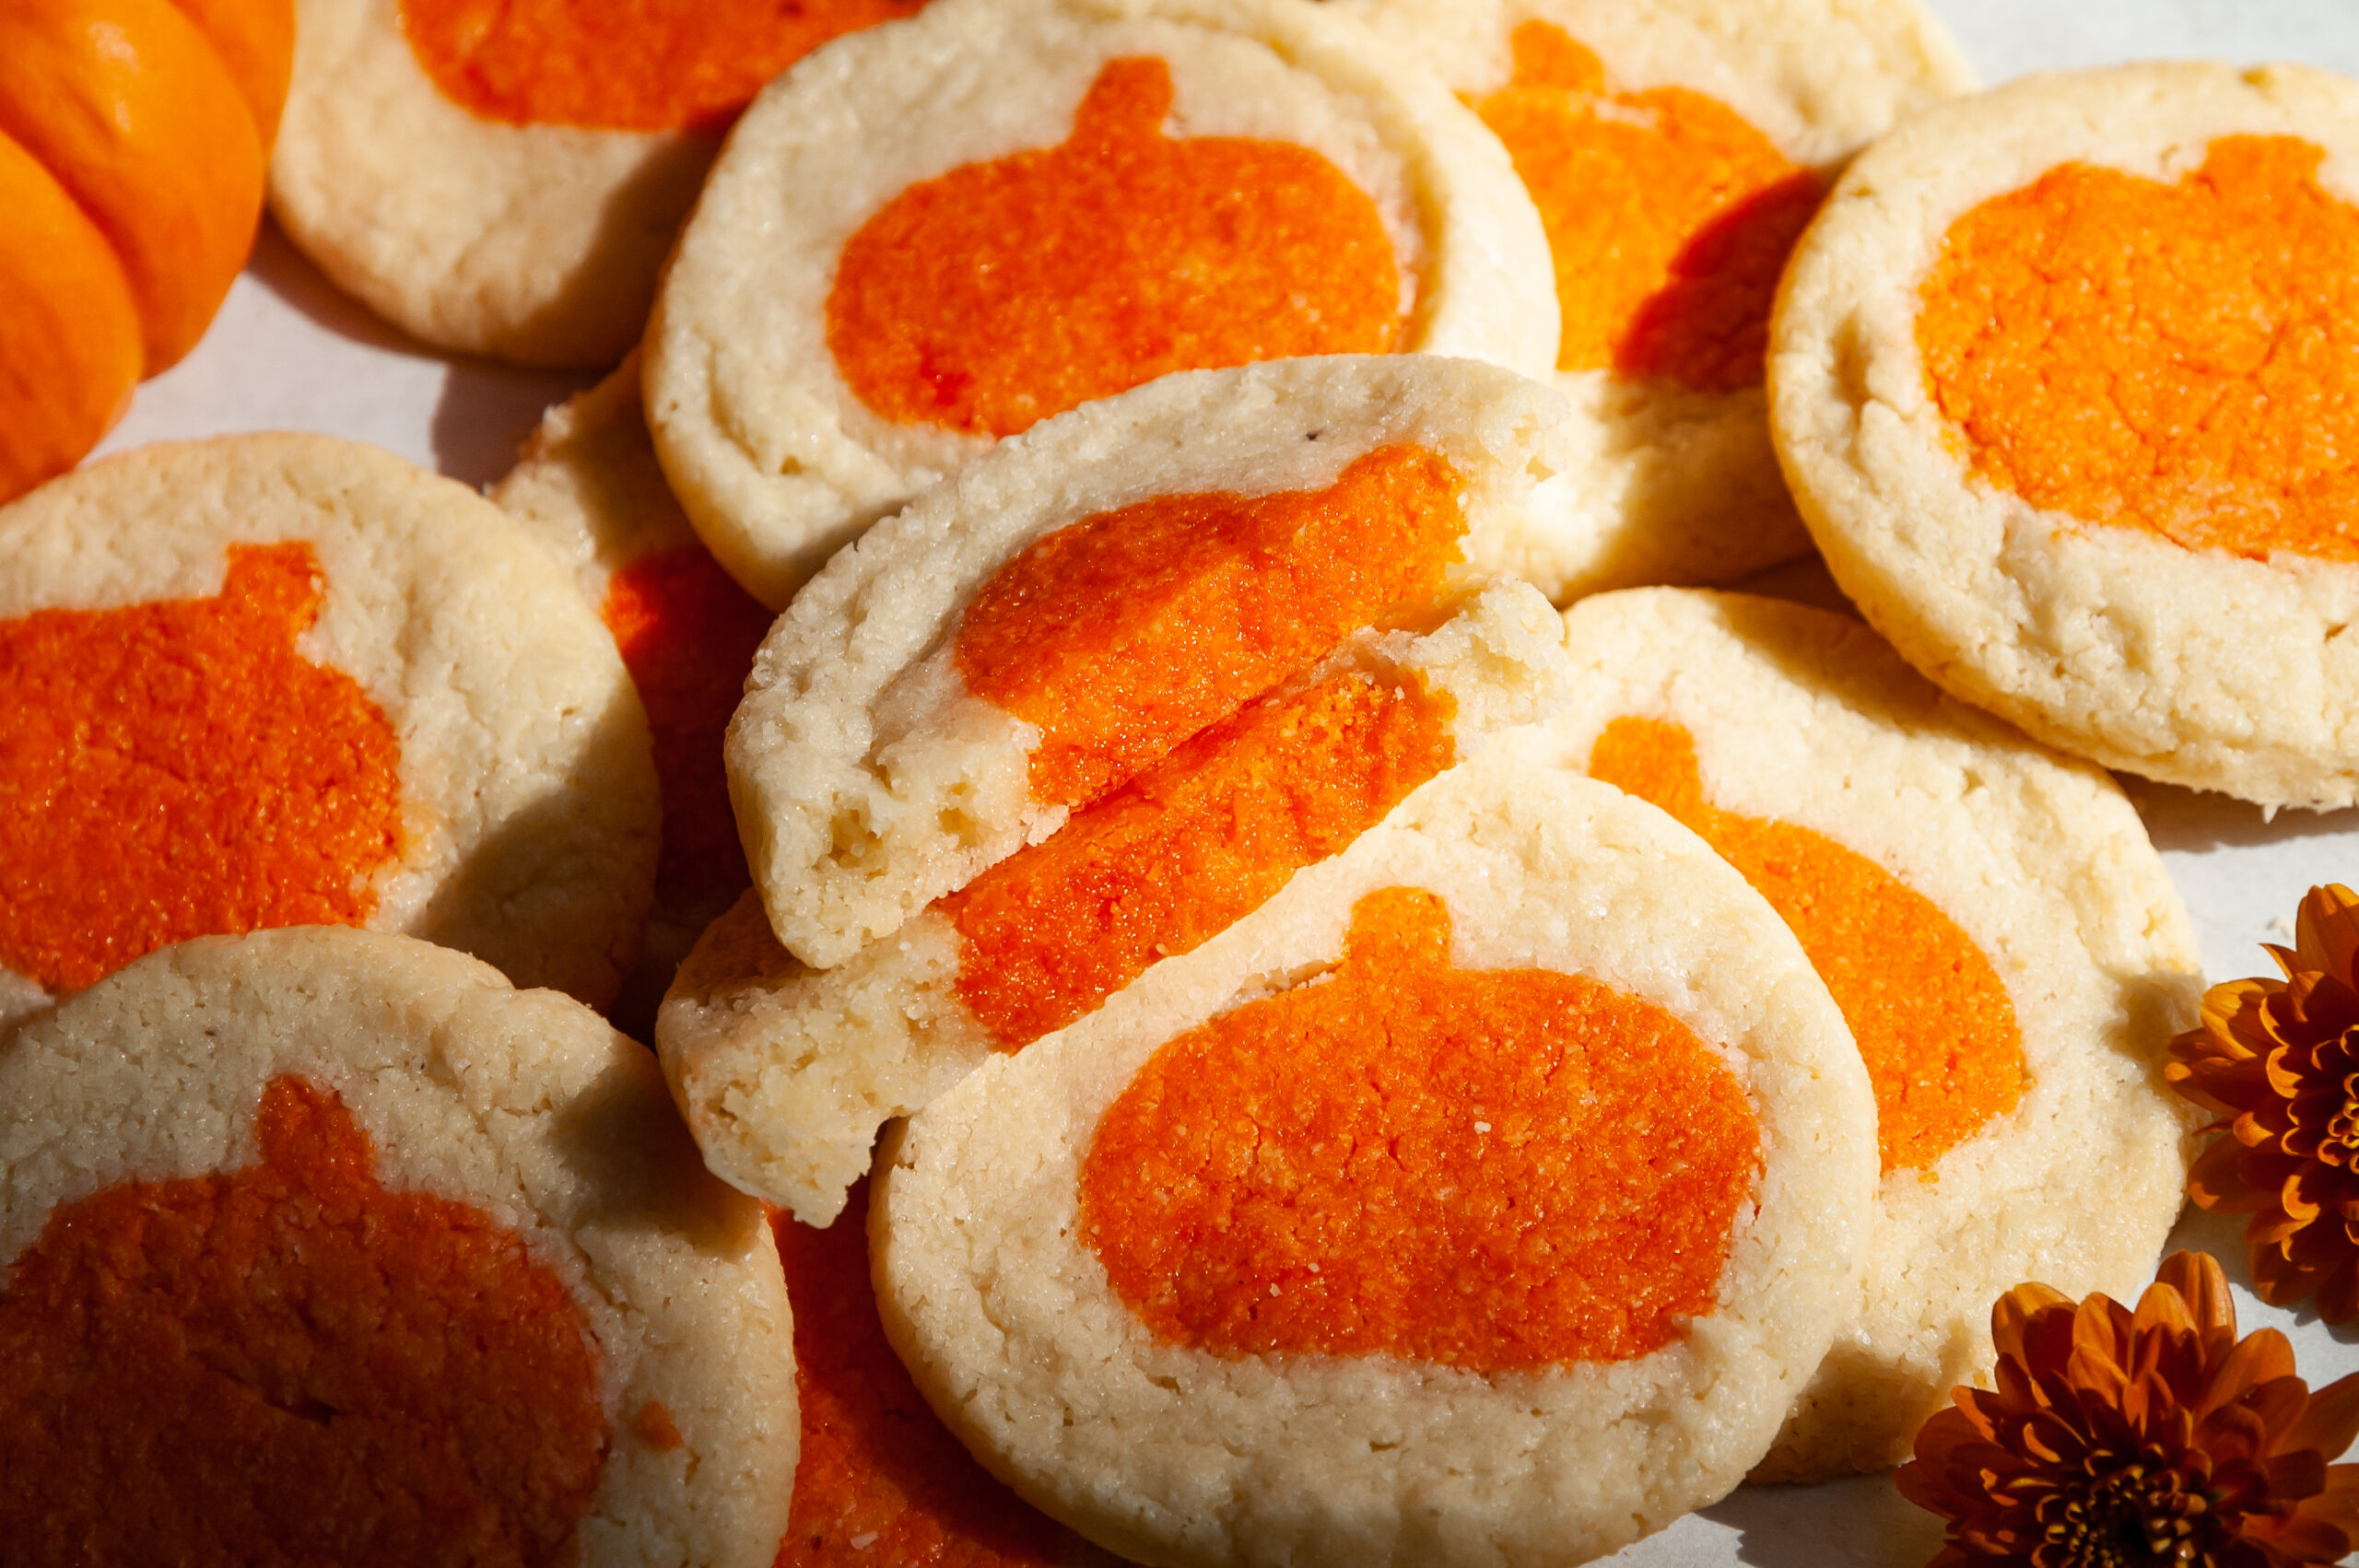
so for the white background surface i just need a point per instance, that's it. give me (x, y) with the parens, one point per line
(289, 352)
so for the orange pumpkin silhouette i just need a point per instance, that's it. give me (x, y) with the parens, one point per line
(1933, 1023)
(178, 769)
(1003, 292)
(2180, 357)
(654, 65)
(1669, 216)
(1190, 846)
(687, 634)
(287, 1362)
(1487, 1169)
(1124, 633)
(880, 1481)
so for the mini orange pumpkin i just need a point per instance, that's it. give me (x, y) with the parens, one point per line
(132, 139)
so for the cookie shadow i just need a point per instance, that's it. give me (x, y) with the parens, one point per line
(2193, 821)
(620, 1141)
(488, 410)
(1805, 581)
(485, 410)
(555, 892)
(489, 407)
(297, 282)
(1856, 1522)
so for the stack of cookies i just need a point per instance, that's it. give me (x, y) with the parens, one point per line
(1129, 679)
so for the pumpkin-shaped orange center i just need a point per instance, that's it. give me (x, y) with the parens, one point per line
(1486, 1169)
(1933, 1020)
(289, 1363)
(880, 1481)
(2182, 358)
(1190, 846)
(1124, 633)
(687, 634)
(178, 769)
(1003, 292)
(636, 66)
(1670, 216)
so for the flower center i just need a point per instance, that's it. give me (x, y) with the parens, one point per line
(2131, 1514)
(2341, 1143)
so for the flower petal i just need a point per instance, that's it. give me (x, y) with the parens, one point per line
(2325, 929)
(2164, 1304)
(2329, 1421)
(2294, 1476)
(2099, 1343)
(2012, 1315)
(2228, 1011)
(2319, 1249)
(2339, 1290)
(2215, 1181)
(2337, 1504)
(2048, 1437)
(2232, 1434)
(2263, 1356)
(2301, 1541)
(2277, 1402)
(2276, 1278)
(2275, 1232)
(2288, 1071)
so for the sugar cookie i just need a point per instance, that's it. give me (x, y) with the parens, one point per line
(326, 1245)
(2069, 422)
(285, 679)
(507, 183)
(2000, 936)
(785, 1073)
(1483, 1198)
(588, 486)
(1090, 594)
(1676, 148)
(1003, 208)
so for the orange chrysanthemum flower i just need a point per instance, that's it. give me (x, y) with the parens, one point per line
(2278, 1061)
(2152, 1438)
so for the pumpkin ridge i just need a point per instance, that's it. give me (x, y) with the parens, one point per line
(70, 351)
(152, 119)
